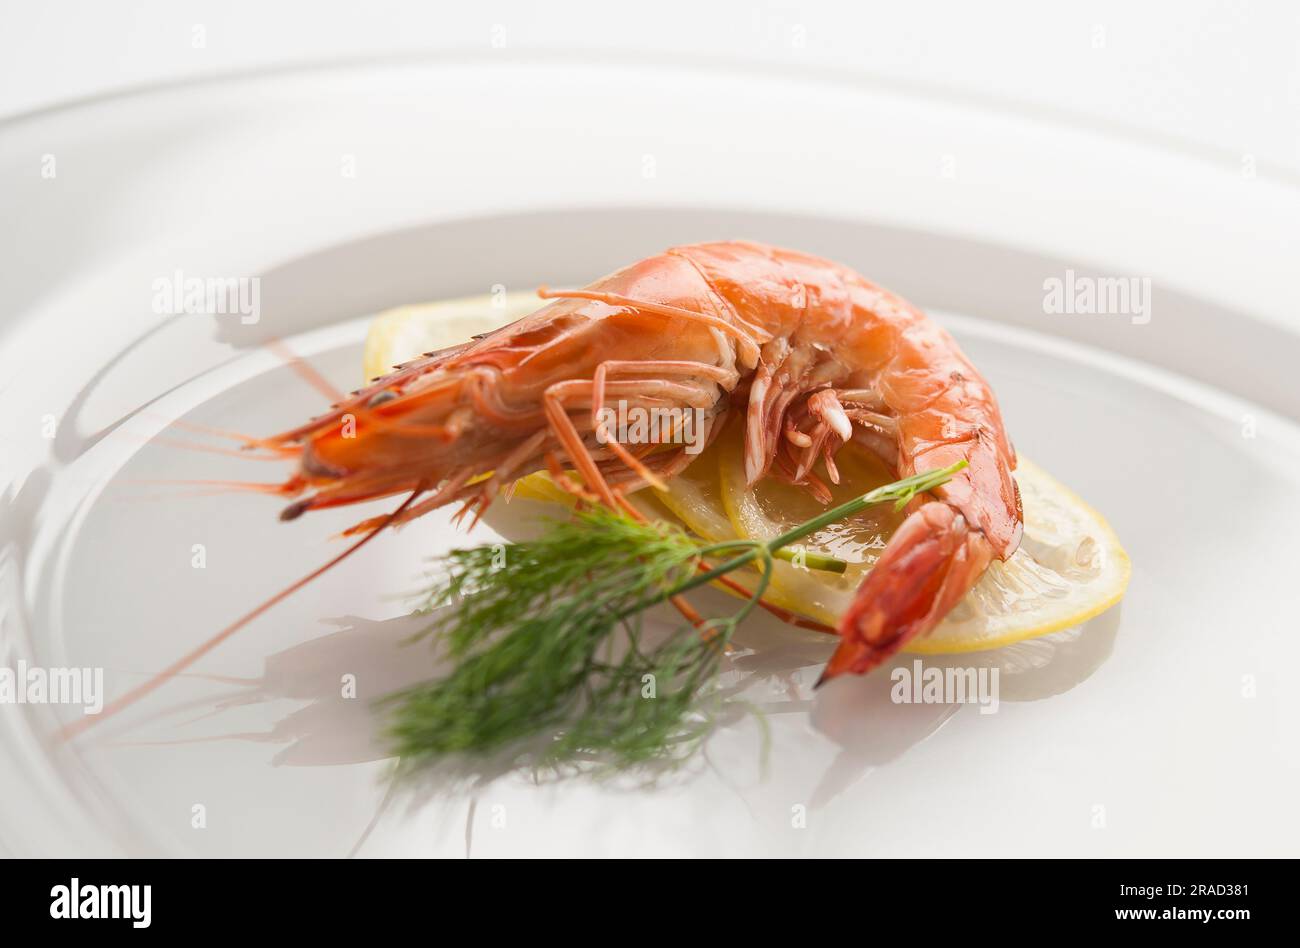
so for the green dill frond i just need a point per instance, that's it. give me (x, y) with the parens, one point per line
(547, 639)
(551, 663)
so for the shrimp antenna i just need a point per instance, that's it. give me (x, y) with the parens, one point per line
(249, 442)
(242, 453)
(189, 658)
(305, 370)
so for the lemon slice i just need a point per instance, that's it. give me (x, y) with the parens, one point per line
(1069, 567)
(406, 332)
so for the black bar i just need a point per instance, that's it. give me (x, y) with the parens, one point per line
(212, 896)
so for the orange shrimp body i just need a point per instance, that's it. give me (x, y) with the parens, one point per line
(809, 353)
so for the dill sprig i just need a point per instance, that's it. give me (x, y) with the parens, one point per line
(551, 663)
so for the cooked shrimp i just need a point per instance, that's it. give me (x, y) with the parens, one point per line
(808, 353)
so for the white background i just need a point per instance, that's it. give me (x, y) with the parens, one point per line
(1223, 75)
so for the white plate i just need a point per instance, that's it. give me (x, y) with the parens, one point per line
(1171, 714)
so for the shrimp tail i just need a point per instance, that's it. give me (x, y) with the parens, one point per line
(931, 562)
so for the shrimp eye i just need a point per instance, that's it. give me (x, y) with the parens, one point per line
(295, 510)
(380, 397)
